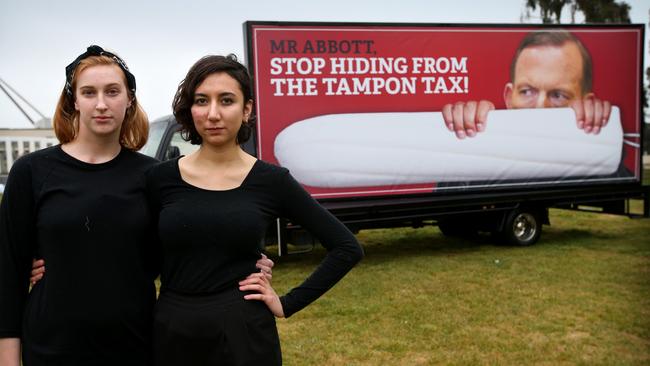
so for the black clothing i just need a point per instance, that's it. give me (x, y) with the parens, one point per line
(91, 224)
(212, 239)
(219, 329)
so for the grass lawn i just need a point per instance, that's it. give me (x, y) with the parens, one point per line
(580, 296)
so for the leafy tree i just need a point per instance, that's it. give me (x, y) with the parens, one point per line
(604, 11)
(549, 10)
(595, 11)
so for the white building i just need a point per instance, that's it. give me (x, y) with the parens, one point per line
(15, 143)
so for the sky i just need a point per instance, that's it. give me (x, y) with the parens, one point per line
(160, 40)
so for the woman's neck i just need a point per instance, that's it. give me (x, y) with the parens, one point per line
(222, 155)
(92, 150)
(216, 167)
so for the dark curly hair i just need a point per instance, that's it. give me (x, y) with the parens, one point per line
(184, 98)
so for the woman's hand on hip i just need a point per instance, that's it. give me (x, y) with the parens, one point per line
(266, 266)
(259, 283)
(38, 270)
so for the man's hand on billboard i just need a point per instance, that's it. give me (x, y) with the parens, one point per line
(467, 119)
(592, 114)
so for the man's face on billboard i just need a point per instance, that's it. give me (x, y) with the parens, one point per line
(546, 77)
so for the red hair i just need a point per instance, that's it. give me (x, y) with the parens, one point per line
(135, 127)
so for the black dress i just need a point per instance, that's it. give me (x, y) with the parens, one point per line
(91, 224)
(210, 241)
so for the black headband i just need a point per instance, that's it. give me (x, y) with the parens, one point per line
(97, 51)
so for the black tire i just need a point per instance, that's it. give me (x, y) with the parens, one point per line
(522, 227)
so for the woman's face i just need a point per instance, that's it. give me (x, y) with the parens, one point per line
(219, 109)
(101, 98)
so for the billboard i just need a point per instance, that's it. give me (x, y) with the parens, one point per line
(371, 109)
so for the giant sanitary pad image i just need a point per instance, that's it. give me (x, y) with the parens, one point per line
(384, 149)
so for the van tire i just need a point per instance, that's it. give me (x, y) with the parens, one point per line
(522, 227)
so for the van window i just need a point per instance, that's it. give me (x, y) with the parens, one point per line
(185, 147)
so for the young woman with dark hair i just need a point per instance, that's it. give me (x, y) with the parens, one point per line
(213, 208)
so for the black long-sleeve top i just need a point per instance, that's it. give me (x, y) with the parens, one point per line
(212, 239)
(92, 225)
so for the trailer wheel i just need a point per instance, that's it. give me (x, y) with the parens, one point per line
(522, 227)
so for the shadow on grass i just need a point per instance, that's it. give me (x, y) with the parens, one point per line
(384, 245)
(564, 236)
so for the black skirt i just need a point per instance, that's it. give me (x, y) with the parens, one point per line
(216, 329)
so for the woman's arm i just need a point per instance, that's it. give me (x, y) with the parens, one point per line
(344, 252)
(17, 242)
(264, 264)
(10, 351)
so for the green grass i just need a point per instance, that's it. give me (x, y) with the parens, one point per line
(580, 296)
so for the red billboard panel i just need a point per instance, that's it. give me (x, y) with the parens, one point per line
(363, 110)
